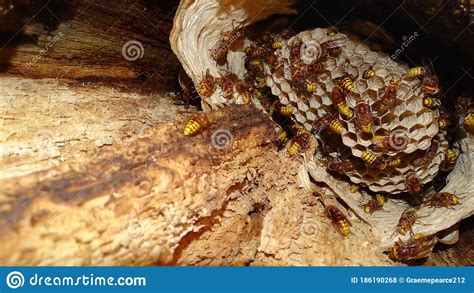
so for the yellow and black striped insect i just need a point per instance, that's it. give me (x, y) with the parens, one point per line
(430, 85)
(331, 32)
(277, 44)
(283, 110)
(469, 121)
(364, 119)
(369, 158)
(354, 188)
(449, 161)
(407, 220)
(381, 199)
(371, 206)
(388, 100)
(299, 143)
(394, 162)
(206, 86)
(443, 119)
(416, 71)
(443, 200)
(311, 85)
(339, 101)
(346, 63)
(368, 73)
(413, 183)
(347, 83)
(336, 126)
(418, 246)
(339, 220)
(429, 102)
(260, 82)
(282, 138)
(195, 124)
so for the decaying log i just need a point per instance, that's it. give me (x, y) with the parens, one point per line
(93, 40)
(152, 196)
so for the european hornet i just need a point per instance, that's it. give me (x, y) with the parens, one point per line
(407, 219)
(260, 82)
(430, 85)
(256, 65)
(277, 44)
(299, 143)
(276, 66)
(332, 44)
(413, 183)
(311, 84)
(245, 91)
(443, 119)
(416, 72)
(394, 162)
(371, 206)
(418, 246)
(206, 86)
(282, 138)
(469, 121)
(465, 112)
(364, 119)
(449, 161)
(341, 167)
(322, 123)
(429, 102)
(339, 220)
(331, 32)
(283, 110)
(385, 143)
(381, 199)
(226, 83)
(347, 83)
(354, 188)
(338, 98)
(388, 100)
(369, 158)
(195, 124)
(369, 73)
(443, 200)
(232, 35)
(296, 128)
(336, 126)
(430, 153)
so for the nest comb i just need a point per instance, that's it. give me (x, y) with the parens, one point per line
(410, 127)
(192, 37)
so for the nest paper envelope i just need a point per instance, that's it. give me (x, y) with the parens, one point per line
(197, 28)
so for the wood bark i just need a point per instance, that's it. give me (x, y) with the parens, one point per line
(88, 40)
(94, 170)
(115, 187)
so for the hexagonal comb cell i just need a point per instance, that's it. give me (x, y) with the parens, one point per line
(404, 119)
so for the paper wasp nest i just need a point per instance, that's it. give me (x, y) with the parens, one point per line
(410, 128)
